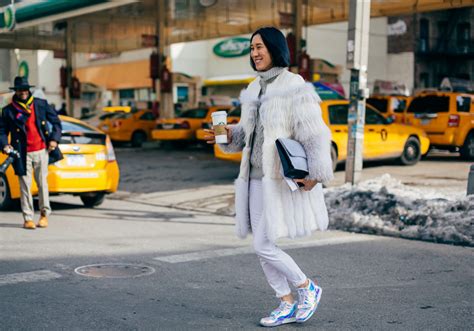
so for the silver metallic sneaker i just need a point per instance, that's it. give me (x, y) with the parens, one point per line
(308, 301)
(284, 314)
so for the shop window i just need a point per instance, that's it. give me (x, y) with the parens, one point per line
(127, 94)
(183, 93)
(143, 94)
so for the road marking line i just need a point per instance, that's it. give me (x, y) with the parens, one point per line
(197, 256)
(28, 277)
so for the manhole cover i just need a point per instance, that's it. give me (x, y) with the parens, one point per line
(114, 270)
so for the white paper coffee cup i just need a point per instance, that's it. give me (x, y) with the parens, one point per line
(219, 121)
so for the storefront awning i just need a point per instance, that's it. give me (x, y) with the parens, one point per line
(119, 25)
(117, 76)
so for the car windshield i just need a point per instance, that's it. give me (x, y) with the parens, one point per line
(194, 113)
(429, 104)
(379, 104)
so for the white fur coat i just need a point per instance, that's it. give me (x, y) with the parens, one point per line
(289, 109)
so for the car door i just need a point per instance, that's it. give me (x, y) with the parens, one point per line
(337, 115)
(376, 144)
(147, 122)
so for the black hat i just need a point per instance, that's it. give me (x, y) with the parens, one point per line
(21, 83)
(276, 44)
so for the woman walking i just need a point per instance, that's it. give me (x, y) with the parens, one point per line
(278, 104)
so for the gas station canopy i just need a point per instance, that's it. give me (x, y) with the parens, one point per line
(99, 26)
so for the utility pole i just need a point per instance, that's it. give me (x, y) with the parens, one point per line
(69, 54)
(357, 55)
(166, 97)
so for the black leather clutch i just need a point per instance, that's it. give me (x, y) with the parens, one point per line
(293, 158)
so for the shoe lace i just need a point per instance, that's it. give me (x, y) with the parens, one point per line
(305, 296)
(282, 307)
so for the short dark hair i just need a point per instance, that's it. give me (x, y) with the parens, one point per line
(276, 44)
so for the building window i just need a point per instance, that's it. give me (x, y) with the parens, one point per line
(424, 80)
(463, 37)
(183, 93)
(424, 35)
(144, 94)
(127, 94)
(442, 29)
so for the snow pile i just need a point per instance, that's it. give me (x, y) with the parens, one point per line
(385, 206)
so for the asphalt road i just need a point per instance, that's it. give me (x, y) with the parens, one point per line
(155, 169)
(202, 277)
(205, 279)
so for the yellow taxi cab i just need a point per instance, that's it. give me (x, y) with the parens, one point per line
(393, 106)
(133, 127)
(233, 117)
(89, 168)
(383, 139)
(184, 126)
(447, 118)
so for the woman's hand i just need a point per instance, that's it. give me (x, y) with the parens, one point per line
(309, 184)
(210, 138)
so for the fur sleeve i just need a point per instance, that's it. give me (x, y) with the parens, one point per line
(238, 140)
(311, 131)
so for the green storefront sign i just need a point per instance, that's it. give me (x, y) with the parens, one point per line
(233, 47)
(9, 17)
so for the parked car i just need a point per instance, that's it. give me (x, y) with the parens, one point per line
(133, 127)
(233, 117)
(89, 168)
(447, 118)
(393, 106)
(184, 127)
(383, 139)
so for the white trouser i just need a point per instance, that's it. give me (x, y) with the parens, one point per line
(37, 165)
(279, 267)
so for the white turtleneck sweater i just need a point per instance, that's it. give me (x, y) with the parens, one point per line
(266, 77)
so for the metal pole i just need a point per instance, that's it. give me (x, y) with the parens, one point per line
(297, 26)
(69, 101)
(166, 99)
(357, 55)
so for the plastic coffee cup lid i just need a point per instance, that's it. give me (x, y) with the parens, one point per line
(219, 113)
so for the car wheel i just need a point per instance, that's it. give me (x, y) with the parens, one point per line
(333, 158)
(467, 149)
(5, 198)
(411, 152)
(138, 138)
(92, 200)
